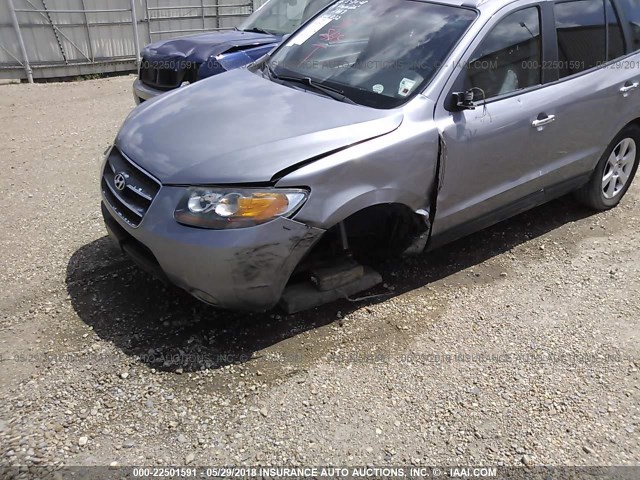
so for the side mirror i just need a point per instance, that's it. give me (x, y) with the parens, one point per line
(464, 100)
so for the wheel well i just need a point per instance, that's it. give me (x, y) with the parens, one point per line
(635, 122)
(372, 234)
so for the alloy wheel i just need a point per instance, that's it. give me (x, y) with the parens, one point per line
(618, 169)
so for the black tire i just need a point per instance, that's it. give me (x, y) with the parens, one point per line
(593, 194)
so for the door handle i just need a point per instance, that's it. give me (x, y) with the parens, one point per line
(629, 88)
(544, 121)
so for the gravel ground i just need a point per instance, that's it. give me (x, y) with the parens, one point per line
(519, 344)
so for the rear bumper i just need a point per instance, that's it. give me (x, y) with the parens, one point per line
(142, 92)
(243, 269)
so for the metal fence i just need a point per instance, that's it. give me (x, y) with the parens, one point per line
(62, 38)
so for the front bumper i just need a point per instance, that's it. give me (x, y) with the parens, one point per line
(142, 92)
(243, 269)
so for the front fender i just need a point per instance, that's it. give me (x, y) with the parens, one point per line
(399, 167)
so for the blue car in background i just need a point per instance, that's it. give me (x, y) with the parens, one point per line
(170, 64)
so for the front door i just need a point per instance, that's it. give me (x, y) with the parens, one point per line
(488, 153)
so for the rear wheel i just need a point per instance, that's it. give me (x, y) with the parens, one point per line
(614, 173)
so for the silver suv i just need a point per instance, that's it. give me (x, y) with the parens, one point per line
(359, 136)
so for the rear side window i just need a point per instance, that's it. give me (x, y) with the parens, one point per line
(509, 57)
(581, 35)
(615, 37)
(632, 12)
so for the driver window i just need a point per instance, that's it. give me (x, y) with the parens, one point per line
(509, 58)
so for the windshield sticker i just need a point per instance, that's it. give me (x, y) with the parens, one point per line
(405, 86)
(378, 88)
(332, 35)
(332, 14)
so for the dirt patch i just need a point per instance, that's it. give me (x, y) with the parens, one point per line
(517, 344)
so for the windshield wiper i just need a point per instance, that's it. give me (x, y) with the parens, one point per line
(328, 91)
(257, 30)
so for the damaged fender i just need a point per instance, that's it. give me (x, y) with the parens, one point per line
(397, 168)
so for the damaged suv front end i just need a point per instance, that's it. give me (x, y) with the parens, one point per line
(329, 163)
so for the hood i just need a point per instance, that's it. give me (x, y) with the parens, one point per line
(238, 127)
(199, 48)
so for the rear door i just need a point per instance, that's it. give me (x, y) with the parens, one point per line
(593, 106)
(625, 70)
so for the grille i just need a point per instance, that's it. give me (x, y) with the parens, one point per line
(166, 78)
(132, 201)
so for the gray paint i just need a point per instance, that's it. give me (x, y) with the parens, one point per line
(240, 128)
(182, 138)
(243, 269)
(395, 168)
(498, 158)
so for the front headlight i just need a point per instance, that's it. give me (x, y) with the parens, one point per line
(221, 208)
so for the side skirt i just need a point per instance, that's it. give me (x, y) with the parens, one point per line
(522, 205)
